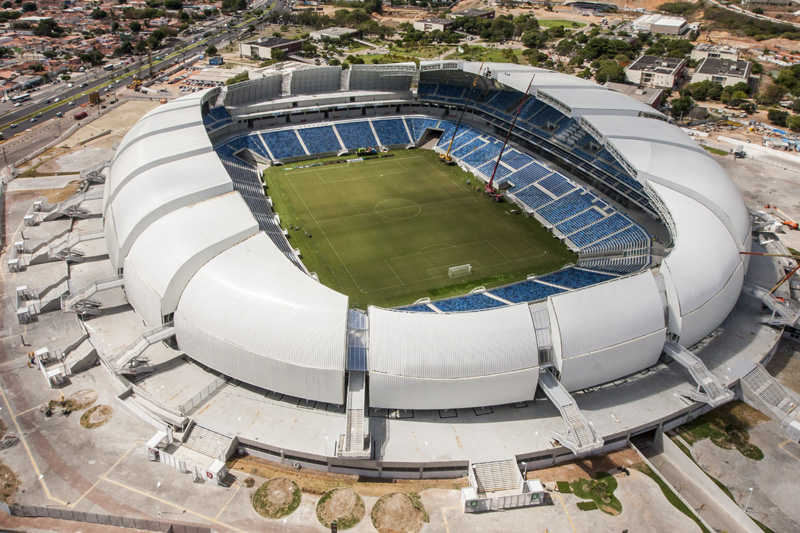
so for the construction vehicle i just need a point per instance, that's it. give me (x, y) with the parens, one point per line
(785, 219)
(446, 158)
(490, 190)
(136, 84)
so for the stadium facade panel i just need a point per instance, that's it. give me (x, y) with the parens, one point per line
(242, 307)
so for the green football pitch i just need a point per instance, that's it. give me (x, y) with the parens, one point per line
(386, 231)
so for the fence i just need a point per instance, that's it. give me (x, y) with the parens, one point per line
(31, 511)
(202, 395)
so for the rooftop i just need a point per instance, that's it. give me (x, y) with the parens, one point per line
(662, 65)
(272, 41)
(705, 47)
(335, 32)
(724, 67)
(644, 95)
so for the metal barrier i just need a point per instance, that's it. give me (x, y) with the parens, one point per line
(31, 511)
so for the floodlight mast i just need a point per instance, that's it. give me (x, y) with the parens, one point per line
(490, 185)
(446, 157)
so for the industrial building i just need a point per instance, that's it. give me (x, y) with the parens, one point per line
(655, 71)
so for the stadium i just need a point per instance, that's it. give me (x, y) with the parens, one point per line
(643, 232)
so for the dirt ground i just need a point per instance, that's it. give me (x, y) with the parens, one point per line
(585, 468)
(344, 505)
(395, 513)
(81, 399)
(53, 196)
(785, 365)
(313, 482)
(274, 498)
(97, 416)
(8, 483)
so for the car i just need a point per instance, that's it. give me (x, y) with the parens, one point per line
(47, 101)
(84, 84)
(72, 102)
(18, 104)
(59, 114)
(37, 115)
(12, 126)
(57, 99)
(34, 119)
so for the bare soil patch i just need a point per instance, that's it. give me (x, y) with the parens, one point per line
(53, 196)
(8, 483)
(586, 468)
(277, 498)
(97, 416)
(398, 513)
(344, 506)
(81, 400)
(313, 482)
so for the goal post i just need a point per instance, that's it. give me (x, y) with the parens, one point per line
(460, 271)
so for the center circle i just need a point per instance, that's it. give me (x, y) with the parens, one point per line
(398, 208)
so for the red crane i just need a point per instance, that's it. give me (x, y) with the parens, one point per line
(490, 185)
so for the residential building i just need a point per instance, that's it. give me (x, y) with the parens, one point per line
(722, 71)
(656, 23)
(654, 71)
(332, 34)
(703, 50)
(433, 24)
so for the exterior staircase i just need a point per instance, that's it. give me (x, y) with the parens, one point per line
(207, 442)
(495, 476)
(81, 303)
(580, 438)
(128, 361)
(784, 312)
(714, 394)
(354, 444)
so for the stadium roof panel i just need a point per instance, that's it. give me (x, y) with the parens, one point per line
(470, 344)
(159, 191)
(170, 251)
(694, 174)
(607, 314)
(638, 128)
(704, 258)
(599, 101)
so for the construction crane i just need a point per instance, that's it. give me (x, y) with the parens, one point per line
(786, 220)
(150, 59)
(785, 278)
(490, 186)
(445, 158)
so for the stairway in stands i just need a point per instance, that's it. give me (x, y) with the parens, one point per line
(208, 442)
(354, 444)
(713, 393)
(580, 438)
(495, 476)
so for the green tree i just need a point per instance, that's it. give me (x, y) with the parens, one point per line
(28, 7)
(680, 106)
(777, 117)
(793, 122)
(48, 28)
(772, 94)
(211, 50)
(610, 71)
(135, 26)
(99, 14)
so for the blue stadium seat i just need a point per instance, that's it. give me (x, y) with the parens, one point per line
(575, 278)
(600, 230)
(556, 184)
(356, 135)
(417, 309)
(391, 131)
(526, 291)
(533, 197)
(320, 139)
(472, 302)
(283, 144)
(566, 207)
(575, 223)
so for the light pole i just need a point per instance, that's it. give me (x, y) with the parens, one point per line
(525, 472)
(747, 505)
(239, 425)
(158, 499)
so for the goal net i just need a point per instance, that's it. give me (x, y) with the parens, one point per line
(460, 271)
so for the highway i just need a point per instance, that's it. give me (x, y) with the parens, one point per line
(70, 99)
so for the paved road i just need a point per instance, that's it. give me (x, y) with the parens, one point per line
(97, 78)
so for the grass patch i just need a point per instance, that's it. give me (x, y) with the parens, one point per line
(714, 150)
(671, 497)
(601, 491)
(560, 22)
(763, 527)
(587, 506)
(399, 511)
(727, 427)
(385, 231)
(563, 487)
(277, 498)
(417, 503)
(343, 506)
(793, 251)
(96, 416)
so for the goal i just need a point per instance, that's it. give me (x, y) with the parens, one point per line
(460, 271)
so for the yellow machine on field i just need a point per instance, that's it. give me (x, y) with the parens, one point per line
(446, 158)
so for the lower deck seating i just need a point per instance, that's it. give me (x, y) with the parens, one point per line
(472, 302)
(527, 291)
(284, 144)
(320, 140)
(391, 132)
(575, 278)
(356, 135)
